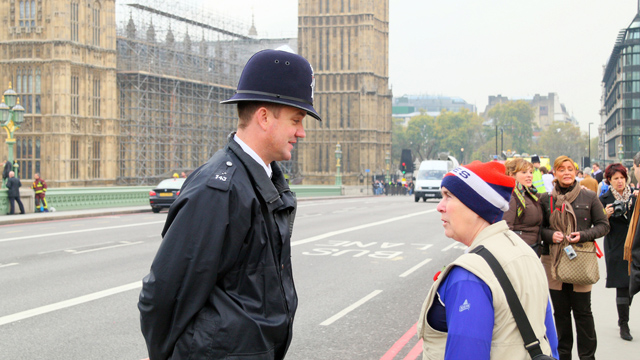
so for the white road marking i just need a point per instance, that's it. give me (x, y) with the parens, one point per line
(78, 247)
(359, 227)
(68, 303)
(450, 246)
(408, 272)
(7, 265)
(122, 243)
(344, 312)
(81, 231)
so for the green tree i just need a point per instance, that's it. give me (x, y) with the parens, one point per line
(516, 120)
(460, 130)
(562, 138)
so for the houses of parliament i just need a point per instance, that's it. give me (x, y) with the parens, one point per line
(127, 94)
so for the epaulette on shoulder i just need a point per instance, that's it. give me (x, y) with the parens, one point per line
(222, 175)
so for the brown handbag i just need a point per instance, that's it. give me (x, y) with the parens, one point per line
(583, 269)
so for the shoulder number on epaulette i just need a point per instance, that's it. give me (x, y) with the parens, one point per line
(221, 177)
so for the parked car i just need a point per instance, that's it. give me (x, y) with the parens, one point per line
(163, 195)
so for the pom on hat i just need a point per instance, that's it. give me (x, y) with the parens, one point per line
(482, 187)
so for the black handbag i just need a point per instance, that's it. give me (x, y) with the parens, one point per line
(531, 343)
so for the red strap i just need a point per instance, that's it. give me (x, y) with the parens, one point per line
(599, 253)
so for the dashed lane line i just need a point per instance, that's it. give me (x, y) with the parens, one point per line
(68, 303)
(80, 231)
(349, 309)
(408, 272)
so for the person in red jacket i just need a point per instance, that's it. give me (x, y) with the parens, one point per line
(40, 187)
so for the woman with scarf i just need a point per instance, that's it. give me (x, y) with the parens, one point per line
(524, 215)
(574, 214)
(617, 267)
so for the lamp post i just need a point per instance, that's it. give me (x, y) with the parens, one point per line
(387, 159)
(11, 117)
(620, 151)
(338, 156)
(462, 152)
(590, 143)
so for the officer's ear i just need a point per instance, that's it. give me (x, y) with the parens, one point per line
(262, 117)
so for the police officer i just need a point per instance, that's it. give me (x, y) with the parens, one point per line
(221, 284)
(537, 181)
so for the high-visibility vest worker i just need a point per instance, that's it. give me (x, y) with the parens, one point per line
(537, 175)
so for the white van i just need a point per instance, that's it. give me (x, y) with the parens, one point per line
(430, 176)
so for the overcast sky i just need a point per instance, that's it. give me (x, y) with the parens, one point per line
(473, 49)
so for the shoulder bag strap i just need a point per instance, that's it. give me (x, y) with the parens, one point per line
(532, 344)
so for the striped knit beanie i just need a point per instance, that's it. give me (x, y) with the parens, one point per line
(482, 187)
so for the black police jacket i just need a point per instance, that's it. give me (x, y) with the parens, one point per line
(13, 187)
(221, 284)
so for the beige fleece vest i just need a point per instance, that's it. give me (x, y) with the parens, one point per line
(528, 279)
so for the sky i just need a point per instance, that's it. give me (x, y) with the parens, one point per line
(474, 49)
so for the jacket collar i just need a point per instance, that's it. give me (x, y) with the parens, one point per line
(488, 232)
(269, 189)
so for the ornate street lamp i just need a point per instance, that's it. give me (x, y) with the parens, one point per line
(11, 117)
(387, 159)
(338, 157)
(620, 151)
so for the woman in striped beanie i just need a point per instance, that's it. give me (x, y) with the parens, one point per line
(466, 301)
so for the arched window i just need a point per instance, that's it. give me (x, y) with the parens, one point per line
(96, 23)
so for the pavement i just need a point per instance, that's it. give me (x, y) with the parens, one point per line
(603, 301)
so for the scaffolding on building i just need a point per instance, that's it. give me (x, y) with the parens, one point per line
(170, 86)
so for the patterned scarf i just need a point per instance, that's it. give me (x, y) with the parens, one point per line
(626, 194)
(520, 192)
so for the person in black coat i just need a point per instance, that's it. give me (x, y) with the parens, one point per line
(617, 267)
(13, 193)
(221, 285)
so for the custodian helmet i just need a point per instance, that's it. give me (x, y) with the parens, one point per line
(279, 77)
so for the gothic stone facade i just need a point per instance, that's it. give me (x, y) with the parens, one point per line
(347, 43)
(60, 57)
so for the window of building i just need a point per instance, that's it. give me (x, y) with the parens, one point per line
(74, 162)
(95, 160)
(27, 13)
(28, 156)
(75, 94)
(28, 89)
(96, 24)
(74, 21)
(95, 100)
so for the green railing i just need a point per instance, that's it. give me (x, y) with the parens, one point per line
(117, 196)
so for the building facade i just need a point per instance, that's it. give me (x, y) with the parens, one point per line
(620, 114)
(60, 57)
(407, 106)
(347, 43)
(547, 109)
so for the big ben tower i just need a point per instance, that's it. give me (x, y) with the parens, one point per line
(347, 43)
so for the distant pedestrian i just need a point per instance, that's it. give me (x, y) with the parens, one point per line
(13, 193)
(547, 178)
(183, 175)
(524, 216)
(40, 187)
(5, 171)
(589, 182)
(617, 266)
(597, 173)
(537, 175)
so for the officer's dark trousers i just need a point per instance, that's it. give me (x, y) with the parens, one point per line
(12, 205)
(564, 302)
